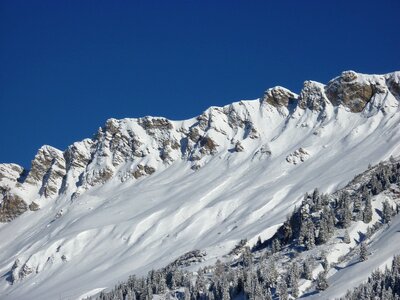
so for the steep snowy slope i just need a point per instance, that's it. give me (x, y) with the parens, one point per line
(142, 192)
(352, 273)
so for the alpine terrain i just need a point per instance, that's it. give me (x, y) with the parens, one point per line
(286, 196)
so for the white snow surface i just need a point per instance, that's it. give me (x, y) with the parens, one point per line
(116, 229)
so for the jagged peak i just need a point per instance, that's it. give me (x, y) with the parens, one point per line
(50, 150)
(312, 96)
(10, 172)
(278, 96)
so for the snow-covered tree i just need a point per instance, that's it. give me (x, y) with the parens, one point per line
(322, 282)
(346, 237)
(363, 252)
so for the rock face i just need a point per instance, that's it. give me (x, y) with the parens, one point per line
(352, 90)
(278, 96)
(48, 170)
(11, 207)
(313, 96)
(19, 272)
(10, 172)
(393, 83)
(187, 259)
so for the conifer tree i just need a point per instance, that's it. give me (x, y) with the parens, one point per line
(307, 273)
(346, 237)
(282, 290)
(363, 252)
(367, 213)
(322, 282)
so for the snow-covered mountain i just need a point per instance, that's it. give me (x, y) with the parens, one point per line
(142, 192)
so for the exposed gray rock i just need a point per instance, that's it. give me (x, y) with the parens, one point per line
(10, 172)
(78, 155)
(34, 206)
(14, 271)
(263, 152)
(313, 96)
(149, 170)
(278, 96)
(298, 156)
(187, 259)
(143, 170)
(250, 131)
(208, 145)
(99, 176)
(11, 207)
(238, 147)
(351, 92)
(24, 271)
(233, 118)
(47, 170)
(393, 83)
(194, 134)
(43, 161)
(151, 124)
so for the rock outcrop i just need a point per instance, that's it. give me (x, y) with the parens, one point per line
(10, 172)
(298, 156)
(47, 171)
(313, 96)
(278, 96)
(352, 90)
(393, 84)
(11, 206)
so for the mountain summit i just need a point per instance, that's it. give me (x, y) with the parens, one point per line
(141, 192)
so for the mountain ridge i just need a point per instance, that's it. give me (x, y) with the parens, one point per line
(57, 169)
(137, 194)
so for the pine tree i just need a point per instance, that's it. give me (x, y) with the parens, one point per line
(268, 294)
(246, 257)
(295, 288)
(357, 210)
(345, 216)
(225, 294)
(324, 262)
(272, 275)
(282, 290)
(322, 282)
(363, 252)
(219, 268)
(307, 272)
(258, 244)
(324, 231)
(258, 292)
(276, 245)
(293, 277)
(387, 212)
(186, 294)
(307, 234)
(346, 237)
(367, 213)
(128, 295)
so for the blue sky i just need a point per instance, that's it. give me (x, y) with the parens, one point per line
(67, 66)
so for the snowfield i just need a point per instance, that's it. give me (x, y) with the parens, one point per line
(74, 247)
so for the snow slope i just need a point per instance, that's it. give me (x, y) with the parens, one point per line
(382, 249)
(112, 216)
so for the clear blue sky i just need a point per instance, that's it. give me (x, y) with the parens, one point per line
(67, 66)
